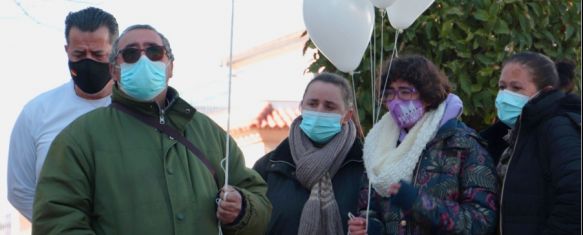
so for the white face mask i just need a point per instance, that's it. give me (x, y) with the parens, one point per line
(143, 80)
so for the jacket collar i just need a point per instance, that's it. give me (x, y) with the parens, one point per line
(177, 111)
(546, 105)
(451, 128)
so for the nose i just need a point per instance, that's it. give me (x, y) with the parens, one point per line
(320, 108)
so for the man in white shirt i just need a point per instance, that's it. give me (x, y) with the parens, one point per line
(89, 33)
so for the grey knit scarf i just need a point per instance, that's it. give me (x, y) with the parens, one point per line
(504, 161)
(315, 167)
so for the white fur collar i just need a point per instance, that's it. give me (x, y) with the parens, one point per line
(385, 162)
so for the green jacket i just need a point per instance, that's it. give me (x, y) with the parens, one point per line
(109, 173)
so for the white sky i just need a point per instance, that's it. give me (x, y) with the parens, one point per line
(33, 59)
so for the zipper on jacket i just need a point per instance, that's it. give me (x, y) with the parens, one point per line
(506, 174)
(162, 119)
(161, 112)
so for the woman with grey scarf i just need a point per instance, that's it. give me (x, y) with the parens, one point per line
(313, 176)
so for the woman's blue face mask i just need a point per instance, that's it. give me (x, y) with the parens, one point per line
(509, 106)
(320, 127)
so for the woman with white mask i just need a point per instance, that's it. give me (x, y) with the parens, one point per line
(541, 168)
(313, 176)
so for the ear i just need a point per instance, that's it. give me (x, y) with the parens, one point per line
(169, 69)
(347, 117)
(66, 47)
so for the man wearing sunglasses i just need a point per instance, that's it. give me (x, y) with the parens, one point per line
(119, 170)
(89, 34)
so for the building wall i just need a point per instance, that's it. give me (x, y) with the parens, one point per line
(255, 143)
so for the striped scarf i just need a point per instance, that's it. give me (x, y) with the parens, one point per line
(315, 168)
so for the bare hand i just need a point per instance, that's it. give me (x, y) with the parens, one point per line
(357, 226)
(394, 188)
(230, 204)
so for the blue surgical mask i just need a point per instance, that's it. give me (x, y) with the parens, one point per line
(143, 80)
(320, 127)
(509, 106)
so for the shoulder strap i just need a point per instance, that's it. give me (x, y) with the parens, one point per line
(173, 133)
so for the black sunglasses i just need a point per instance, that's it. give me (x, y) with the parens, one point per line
(131, 54)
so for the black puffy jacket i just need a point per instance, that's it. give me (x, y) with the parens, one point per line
(288, 196)
(542, 189)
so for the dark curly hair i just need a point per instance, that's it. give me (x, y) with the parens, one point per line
(431, 83)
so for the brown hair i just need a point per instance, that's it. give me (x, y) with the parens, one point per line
(338, 81)
(542, 69)
(431, 83)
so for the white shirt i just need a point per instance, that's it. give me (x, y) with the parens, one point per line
(37, 125)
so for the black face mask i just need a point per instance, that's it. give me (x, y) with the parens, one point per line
(89, 75)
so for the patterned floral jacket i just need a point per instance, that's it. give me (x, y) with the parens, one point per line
(453, 191)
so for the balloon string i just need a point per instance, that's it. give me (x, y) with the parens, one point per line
(393, 55)
(372, 85)
(374, 52)
(368, 204)
(372, 75)
(227, 137)
(375, 118)
(357, 116)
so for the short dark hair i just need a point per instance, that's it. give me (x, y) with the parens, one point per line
(338, 81)
(89, 20)
(542, 69)
(431, 83)
(115, 50)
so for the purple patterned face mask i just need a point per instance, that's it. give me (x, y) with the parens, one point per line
(406, 112)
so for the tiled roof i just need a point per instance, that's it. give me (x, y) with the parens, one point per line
(276, 115)
(271, 114)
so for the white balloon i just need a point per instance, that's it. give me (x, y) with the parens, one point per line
(384, 3)
(403, 13)
(341, 29)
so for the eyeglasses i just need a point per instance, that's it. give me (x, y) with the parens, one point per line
(403, 93)
(131, 54)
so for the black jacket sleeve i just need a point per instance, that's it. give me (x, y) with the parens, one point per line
(564, 163)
